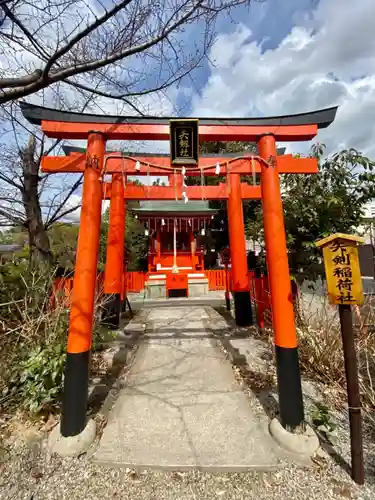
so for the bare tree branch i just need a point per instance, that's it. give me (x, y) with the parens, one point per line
(15, 82)
(143, 26)
(58, 54)
(59, 213)
(79, 54)
(105, 94)
(65, 213)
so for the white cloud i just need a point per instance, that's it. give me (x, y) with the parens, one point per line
(74, 200)
(328, 59)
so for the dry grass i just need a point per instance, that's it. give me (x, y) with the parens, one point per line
(320, 349)
(28, 321)
(321, 355)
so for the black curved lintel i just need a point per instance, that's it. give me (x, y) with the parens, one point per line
(35, 114)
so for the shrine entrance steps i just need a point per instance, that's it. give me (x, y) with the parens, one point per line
(212, 298)
(180, 406)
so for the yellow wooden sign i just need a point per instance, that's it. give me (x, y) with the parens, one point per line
(344, 282)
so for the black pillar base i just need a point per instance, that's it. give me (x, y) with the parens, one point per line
(242, 308)
(227, 303)
(76, 383)
(289, 387)
(112, 311)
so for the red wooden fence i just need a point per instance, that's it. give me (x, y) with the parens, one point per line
(135, 282)
(259, 292)
(62, 287)
(216, 279)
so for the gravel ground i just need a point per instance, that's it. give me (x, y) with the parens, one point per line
(30, 473)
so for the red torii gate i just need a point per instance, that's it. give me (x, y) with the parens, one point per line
(120, 167)
(95, 163)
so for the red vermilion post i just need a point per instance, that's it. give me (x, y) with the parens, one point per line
(288, 373)
(115, 248)
(158, 244)
(73, 419)
(240, 277)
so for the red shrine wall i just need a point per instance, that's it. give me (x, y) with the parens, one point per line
(161, 253)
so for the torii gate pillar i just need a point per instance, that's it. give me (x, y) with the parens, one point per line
(288, 373)
(240, 275)
(73, 418)
(114, 267)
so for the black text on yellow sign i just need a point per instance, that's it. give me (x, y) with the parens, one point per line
(341, 262)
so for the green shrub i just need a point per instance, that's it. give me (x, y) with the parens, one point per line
(33, 339)
(322, 419)
(40, 376)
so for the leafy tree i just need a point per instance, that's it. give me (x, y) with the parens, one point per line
(220, 222)
(136, 243)
(63, 239)
(159, 182)
(320, 204)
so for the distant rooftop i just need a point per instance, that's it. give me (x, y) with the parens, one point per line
(10, 248)
(369, 210)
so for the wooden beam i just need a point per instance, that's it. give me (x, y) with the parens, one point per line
(75, 163)
(220, 192)
(153, 132)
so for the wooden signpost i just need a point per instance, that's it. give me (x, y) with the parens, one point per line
(344, 285)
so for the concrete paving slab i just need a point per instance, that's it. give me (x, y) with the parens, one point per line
(212, 298)
(181, 407)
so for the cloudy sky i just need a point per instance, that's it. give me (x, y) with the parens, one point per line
(287, 56)
(280, 57)
(294, 56)
(291, 56)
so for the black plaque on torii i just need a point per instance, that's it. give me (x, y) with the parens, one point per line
(184, 137)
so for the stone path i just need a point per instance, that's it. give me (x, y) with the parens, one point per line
(181, 407)
(212, 298)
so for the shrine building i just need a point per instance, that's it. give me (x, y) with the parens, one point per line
(175, 256)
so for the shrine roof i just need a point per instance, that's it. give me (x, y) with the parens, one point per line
(194, 208)
(36, 114)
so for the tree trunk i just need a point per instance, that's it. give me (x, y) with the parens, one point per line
(39, 245)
